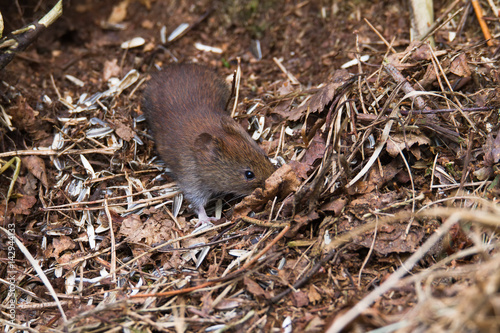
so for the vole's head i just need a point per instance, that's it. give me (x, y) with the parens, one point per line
(229, 161)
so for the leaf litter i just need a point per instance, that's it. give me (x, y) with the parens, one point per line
(391, 168)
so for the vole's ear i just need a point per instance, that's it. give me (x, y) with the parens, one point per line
(203, 141)
(207, 144)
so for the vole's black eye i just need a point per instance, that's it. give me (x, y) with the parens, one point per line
(249, 175)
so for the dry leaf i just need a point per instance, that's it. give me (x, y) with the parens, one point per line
(313, 295)
(491, 157)
(300, 299)
(153, 231)
(36, 166)
(254, 288)
(393, 239)
(124, 131)
(315, 151)
(322, 97)
(67, 260)
(460, 67)
(483, 173)
(368, 203)
(334, 206)
(194, 241)
(316, 103)
(301, 169)
(25, 118)
(283, 108)
(24, 204)
(285, 88)
(398, 140)
(131, 227)
(230, 304)
(429, 77)
(423, 52)
(492, 149)
(60, 244)
(395, 60)
(315, 325)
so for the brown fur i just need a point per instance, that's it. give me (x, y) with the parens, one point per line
(206, 150)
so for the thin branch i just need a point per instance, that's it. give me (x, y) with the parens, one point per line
(19, 40)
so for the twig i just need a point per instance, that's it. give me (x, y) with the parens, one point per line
(100, 201)
(484, 27)
(290, 76)
(19, 40)
(50, 152)
(389, 46)
(112, 240)
(412, 184)
(406, 86)
(76, 206)
(494, 8)
(370, 251)
(432, 111)
(467, 158)
(264, 224)
(19, 328)
(17, 169)
(171, 242)
(199, 246)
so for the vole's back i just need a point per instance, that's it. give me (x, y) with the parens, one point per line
(181, 102)
(206, 150)
(179, 95)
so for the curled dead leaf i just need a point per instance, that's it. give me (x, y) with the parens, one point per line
(315, 151)
(36, 166)
(460, 67)
(334, 206)
(313, 295)
(59, 245)
(282, 182)
(484, 173)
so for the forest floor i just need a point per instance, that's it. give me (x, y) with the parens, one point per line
(383, 213)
